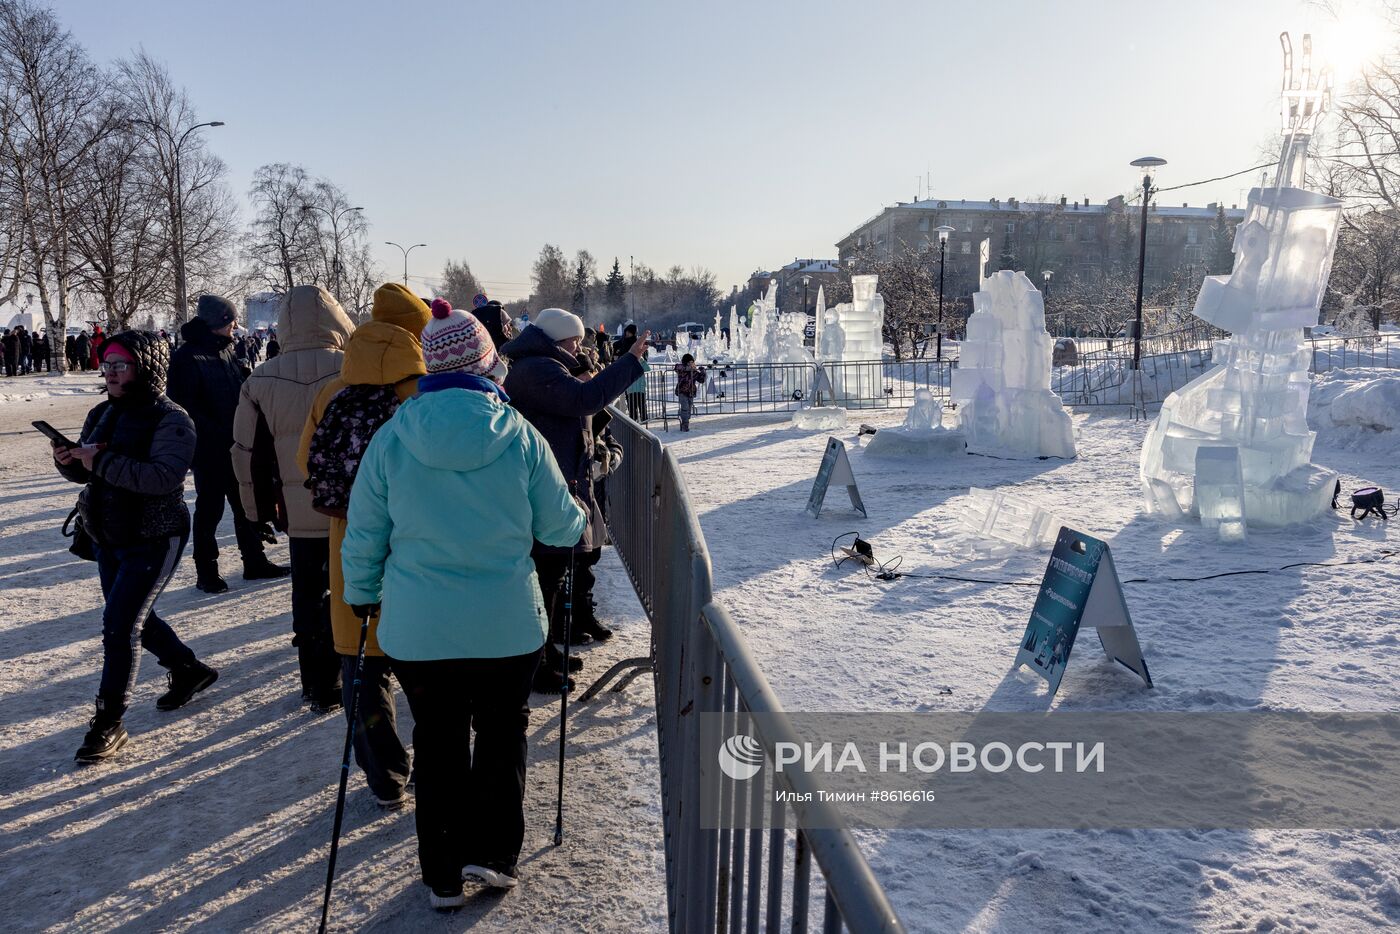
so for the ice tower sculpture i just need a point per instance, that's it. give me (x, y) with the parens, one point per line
(1255, 401)
(856, 336)
(1002, 381)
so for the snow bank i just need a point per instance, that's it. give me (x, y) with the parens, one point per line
(1358, 409)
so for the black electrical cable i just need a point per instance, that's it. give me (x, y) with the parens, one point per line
(888, 571)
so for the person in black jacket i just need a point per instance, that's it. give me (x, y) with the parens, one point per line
(10, 342)
(560, 406)
(83, 345)
(134, 451)
(205, 378)
(490, 313)
(70, 351)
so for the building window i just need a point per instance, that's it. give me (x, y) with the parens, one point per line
(1010, 227)
(1192, 234)
(923, 223)
(967, 246)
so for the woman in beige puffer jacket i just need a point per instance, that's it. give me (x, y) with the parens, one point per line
(272, 410)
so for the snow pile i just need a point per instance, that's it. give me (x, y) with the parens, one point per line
(1358, 409)
(819, 418)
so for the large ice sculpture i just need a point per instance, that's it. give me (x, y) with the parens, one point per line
(1002, 381)
(854, 333)
(1256, 399)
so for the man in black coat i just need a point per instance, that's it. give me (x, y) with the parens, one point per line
(83, 345)
(205, 379)
(561, 406)
(11, 347)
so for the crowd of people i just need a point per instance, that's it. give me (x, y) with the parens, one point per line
(24, 352)
(439, 479)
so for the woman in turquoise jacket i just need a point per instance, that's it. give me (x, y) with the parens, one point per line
(451, 495)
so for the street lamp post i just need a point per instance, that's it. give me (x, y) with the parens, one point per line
(943, 233)
(177, 246)
(1045, 276)
(406, 251)
(335, 217)
(1148, 164)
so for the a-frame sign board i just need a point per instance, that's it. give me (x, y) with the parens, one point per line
(835, 468)
(1080, 588)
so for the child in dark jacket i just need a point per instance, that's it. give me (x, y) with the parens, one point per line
(688, 378)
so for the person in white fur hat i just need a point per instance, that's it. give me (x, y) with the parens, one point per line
(542, 387)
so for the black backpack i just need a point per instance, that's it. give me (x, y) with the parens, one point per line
(338, 445)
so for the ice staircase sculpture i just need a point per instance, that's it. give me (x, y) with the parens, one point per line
(1002, 382)
(1256, 400)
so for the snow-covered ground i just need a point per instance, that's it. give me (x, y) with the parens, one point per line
(1315, 639)
(42, 388)
(218, 816)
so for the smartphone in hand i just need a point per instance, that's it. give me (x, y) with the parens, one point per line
(54, 435)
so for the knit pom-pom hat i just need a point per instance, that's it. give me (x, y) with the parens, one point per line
(454, 341)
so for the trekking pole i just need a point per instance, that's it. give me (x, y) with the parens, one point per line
(564, 695)
(351, 713)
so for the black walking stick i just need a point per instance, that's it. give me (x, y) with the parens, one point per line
(564, 695)
(351, 713)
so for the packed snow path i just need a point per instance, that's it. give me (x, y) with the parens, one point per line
(1312, 638)
(218, 816)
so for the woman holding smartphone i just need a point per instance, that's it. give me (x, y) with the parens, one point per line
(132, 456)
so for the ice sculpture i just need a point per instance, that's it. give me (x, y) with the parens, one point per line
(922, 434)
(1002, 381)
(1008, 519)
(1220, 491)
(859, 324)
(1255, 401)
(820, 418)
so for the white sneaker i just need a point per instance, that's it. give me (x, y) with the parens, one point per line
(495, 878)
(447, 901)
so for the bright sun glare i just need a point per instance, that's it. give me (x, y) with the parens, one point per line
(1358, 37)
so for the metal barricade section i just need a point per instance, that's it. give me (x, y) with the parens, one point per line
(722, 880)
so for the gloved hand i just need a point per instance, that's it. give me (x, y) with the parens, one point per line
(266, 533)
(361, 610)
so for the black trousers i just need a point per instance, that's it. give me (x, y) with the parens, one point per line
(311, 614)
(378, 749)
(215, 484)
(637, 406)
(470, 802)
(132, 579)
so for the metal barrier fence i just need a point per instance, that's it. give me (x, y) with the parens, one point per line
(1339, 353)
(1100, 376)
(721, 880)
(751, 388)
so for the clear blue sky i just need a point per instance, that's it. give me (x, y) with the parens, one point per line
(728, 135)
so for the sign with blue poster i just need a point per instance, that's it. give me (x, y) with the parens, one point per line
(835, 469)
(1080, 588)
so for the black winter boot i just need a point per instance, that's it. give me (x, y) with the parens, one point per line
(106, 735)
(185, 682)
(207, 577)
(261, 569)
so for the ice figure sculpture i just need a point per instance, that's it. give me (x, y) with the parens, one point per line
(1255, 401)
(922, 434)
(860, 324)
(788, 349)
(1002, 381)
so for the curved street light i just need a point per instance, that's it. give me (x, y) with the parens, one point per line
(335, 217)
(406, 251)
(178, 210)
